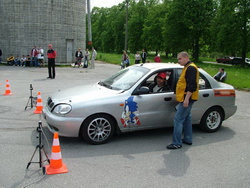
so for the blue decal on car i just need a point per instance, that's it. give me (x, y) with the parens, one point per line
(130, 113)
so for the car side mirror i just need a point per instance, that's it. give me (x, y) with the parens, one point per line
(142, 90)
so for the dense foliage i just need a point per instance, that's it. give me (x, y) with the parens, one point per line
(201, 27)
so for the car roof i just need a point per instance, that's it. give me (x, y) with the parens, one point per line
(155, 66)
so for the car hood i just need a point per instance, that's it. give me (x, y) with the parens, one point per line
(83, 93)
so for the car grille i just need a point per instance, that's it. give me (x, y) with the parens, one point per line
(50, 103)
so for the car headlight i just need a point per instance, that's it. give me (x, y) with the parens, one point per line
(62, 109)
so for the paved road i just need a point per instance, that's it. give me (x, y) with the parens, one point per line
(137, 160)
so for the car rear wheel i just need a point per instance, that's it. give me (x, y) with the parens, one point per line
(98, 129)
(211, 120)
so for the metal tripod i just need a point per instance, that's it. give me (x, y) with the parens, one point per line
(41, 149)
(31, 98)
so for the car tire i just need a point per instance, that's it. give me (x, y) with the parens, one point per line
(212, 119)
(98, 129)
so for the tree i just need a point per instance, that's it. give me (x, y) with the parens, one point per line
(137, 15)
(108, 28)
(188, 23)
(98, 19)
(113, 35)
(174, 26)
(233, 27)
(152, 31)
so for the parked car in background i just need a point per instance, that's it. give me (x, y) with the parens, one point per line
(232, 60)
(247, 61)
(124, 103)
(236, 60)
(226, 59)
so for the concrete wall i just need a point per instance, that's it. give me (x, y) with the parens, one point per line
(25, 23)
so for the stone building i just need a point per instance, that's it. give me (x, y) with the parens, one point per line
(28, 23)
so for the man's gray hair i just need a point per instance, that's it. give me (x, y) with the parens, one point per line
(183, 54)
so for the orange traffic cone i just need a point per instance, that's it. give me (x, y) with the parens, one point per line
(7, 91)
(56, 165)
(39, 104)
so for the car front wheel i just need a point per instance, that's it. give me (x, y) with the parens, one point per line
(211, 120)
(98, 129)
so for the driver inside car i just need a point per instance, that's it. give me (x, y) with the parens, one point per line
(159, 84)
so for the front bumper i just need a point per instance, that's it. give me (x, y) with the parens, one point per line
(65, 126)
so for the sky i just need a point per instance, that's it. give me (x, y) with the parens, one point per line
(104, 3)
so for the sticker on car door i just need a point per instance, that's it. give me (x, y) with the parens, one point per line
(130, 113)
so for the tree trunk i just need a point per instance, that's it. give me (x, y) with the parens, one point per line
(166, 54)
(196, 50)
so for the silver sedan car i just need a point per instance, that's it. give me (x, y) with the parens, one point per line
(124, 102)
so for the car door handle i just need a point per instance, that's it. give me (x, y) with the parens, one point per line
(205, 95)
(167, 98)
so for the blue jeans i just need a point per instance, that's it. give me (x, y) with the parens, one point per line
(183, 124)
(34, 61)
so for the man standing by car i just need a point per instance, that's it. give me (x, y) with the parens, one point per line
(51, 62)
(187, 92)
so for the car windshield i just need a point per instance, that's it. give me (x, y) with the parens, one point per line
(124, 79)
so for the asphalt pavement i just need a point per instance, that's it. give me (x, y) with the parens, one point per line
(134, 160)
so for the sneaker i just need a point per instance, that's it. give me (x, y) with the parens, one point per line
(188, 143)
(173, 146)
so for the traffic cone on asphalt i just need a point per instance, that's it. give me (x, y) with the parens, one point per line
(7, 91)
(56, 165)
(39, 104)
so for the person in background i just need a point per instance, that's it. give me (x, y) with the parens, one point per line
(86, 58)
(17, 61)
(23, 61)
(40, 56)
(143, 56)
(28, 61)
(51, 53)
(157, 58)
(187, 92)
(10, 60)
(93, 57)
(33, 55)
(78, 56)
(221, 75)
(125, 60)
(137, 58)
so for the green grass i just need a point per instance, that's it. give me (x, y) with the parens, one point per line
(237, 76)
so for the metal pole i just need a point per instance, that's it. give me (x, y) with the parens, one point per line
(89, 24)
